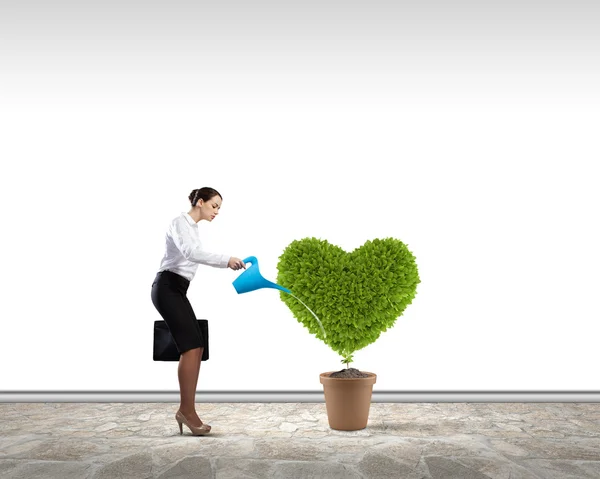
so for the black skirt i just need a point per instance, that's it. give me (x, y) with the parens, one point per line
(170, 300)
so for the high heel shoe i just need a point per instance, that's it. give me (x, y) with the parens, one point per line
(202, 430)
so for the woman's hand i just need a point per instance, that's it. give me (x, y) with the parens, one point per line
(236, 263)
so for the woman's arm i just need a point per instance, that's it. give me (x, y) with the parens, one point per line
(191, 247)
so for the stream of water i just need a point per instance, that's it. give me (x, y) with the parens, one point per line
(311, 311)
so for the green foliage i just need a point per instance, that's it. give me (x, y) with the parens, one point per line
(347, 359)
(356, 295)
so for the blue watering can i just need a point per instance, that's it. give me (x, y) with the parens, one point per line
(251, 279)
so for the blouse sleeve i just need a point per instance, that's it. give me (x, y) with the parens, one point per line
(191, 247)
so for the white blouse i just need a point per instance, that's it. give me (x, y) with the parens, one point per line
(183, 250)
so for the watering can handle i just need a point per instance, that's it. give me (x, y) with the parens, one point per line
(251, 259)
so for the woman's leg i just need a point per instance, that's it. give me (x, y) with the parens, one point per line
(188, 372)
(199, 362)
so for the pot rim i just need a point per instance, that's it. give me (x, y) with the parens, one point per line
(327, 375)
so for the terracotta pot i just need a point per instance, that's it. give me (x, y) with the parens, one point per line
(348, 400)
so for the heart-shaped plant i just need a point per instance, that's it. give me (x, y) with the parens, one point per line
(356, 295)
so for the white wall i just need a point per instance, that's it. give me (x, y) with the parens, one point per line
(470, 134)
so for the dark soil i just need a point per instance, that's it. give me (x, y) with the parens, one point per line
(348, 374)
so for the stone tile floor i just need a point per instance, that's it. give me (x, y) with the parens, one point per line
(293, 440)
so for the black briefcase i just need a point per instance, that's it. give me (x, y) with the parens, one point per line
(164, 348)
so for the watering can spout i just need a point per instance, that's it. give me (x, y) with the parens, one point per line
(251, 279)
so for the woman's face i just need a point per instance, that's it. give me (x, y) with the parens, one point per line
(209, 209)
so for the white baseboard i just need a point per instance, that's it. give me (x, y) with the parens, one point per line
(298, 396)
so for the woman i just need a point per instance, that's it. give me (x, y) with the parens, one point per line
(183, 254)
